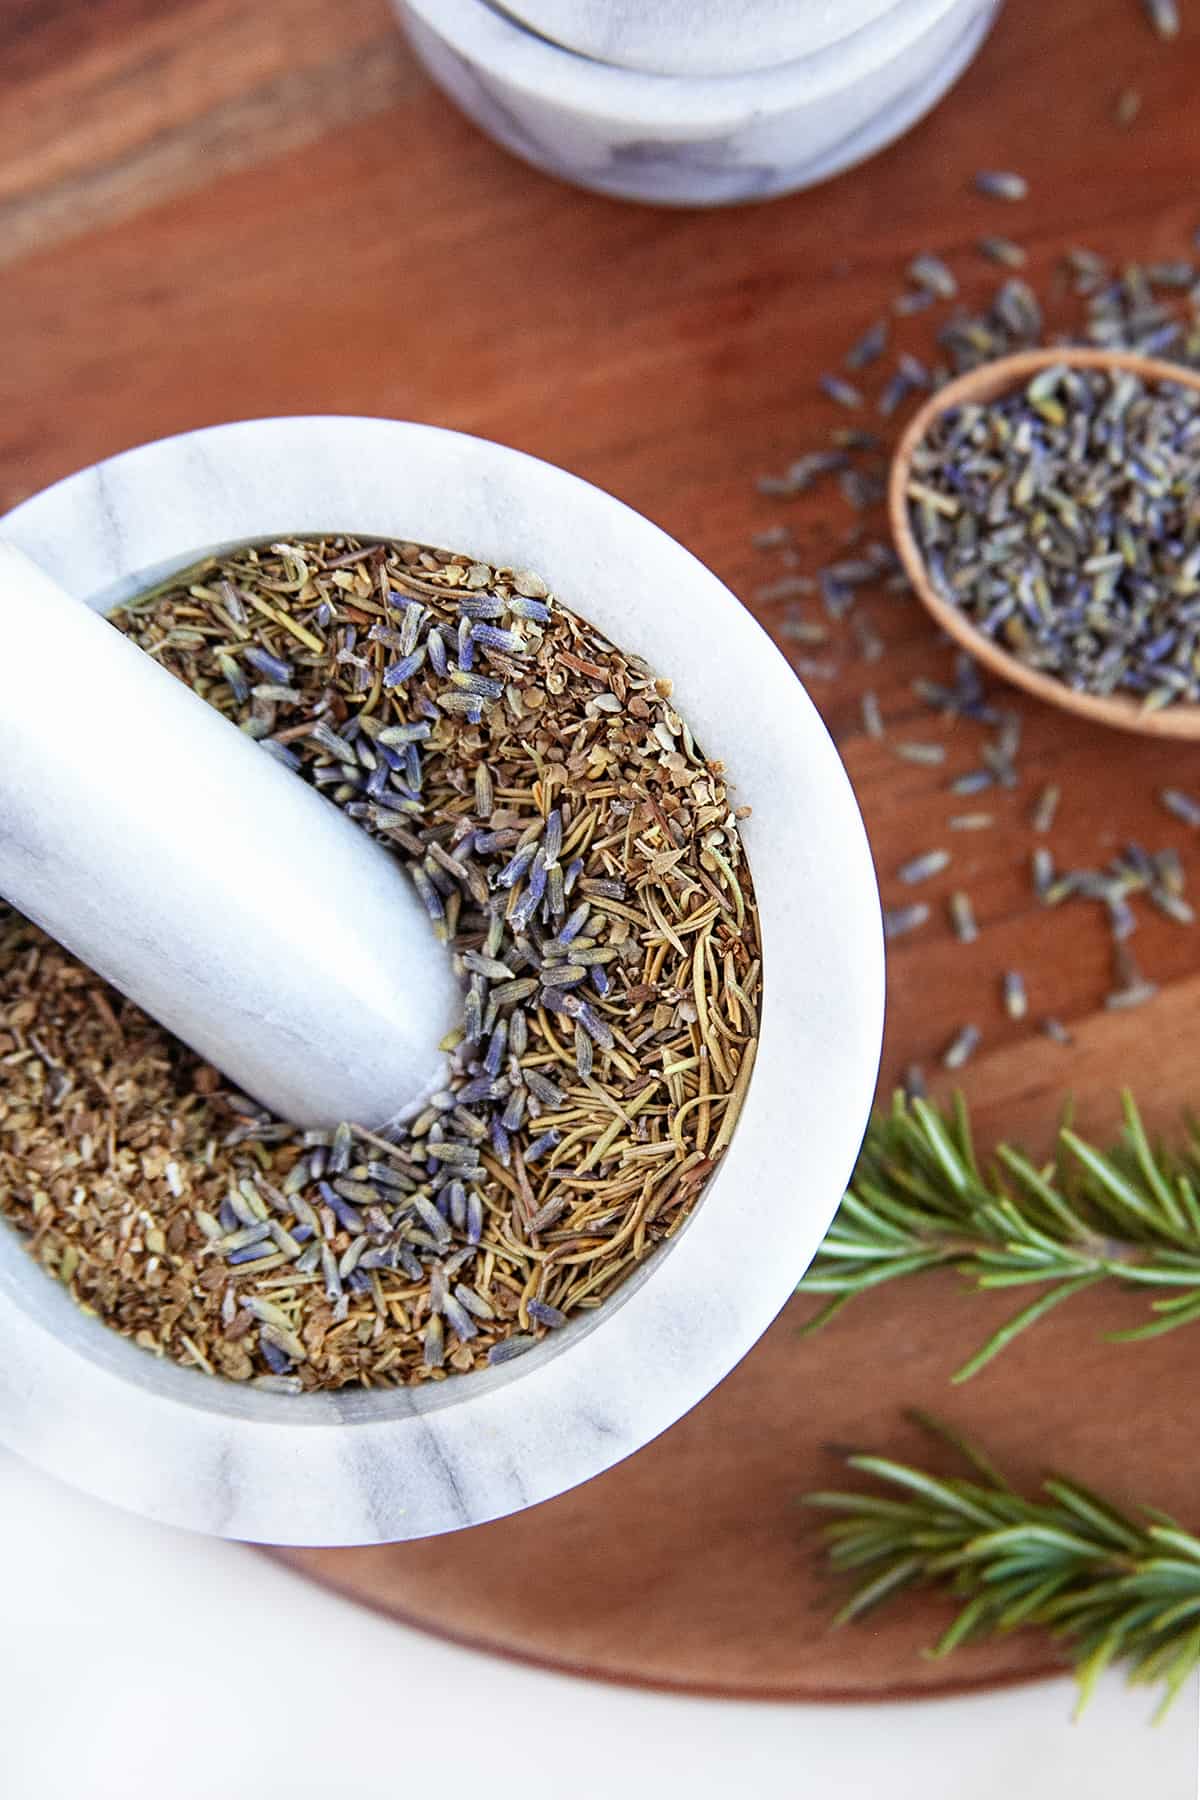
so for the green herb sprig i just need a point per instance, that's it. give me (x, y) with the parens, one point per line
(1108, 1588)
(919, 1200)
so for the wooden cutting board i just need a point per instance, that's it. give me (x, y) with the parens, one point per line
(212, 209)
(691, 1565)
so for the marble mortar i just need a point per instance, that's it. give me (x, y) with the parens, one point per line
(357, 1467)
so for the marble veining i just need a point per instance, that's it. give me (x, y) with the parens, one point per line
(698, 141)
(368, 1467)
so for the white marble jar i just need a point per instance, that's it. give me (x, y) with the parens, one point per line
(698, 139)
(368, 1467)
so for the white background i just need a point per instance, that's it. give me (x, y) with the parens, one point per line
(145, 1664)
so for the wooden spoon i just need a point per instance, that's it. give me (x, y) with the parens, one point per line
(981, 385)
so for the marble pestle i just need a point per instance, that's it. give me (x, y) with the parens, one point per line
(202, 878)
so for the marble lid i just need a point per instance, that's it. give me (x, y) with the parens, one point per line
(696, 37)
(508, 60)
(359, 1467)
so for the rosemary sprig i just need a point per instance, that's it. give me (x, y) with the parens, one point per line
(919, 1200)
(1107, 1588)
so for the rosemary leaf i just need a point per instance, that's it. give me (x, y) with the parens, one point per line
(1109, 1589)
(1029, 1316)
(919, 1200)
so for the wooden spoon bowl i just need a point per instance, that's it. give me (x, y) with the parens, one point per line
(981, 385)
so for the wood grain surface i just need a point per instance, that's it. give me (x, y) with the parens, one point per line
(213, 209)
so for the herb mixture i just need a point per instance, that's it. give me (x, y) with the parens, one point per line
(579, 858)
